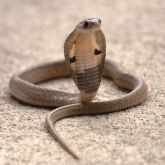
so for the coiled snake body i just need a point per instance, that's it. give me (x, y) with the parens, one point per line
(85, 57)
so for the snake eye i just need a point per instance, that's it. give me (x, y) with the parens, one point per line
(86, 24)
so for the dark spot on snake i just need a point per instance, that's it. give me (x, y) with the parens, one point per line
(72, 59)
(97, 52)
(86, 24)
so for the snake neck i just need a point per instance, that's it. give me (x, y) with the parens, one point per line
(85, 58)
(86, 66)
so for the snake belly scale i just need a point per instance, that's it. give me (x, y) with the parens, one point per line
(84, 51)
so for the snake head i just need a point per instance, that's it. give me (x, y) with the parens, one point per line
(89, 25)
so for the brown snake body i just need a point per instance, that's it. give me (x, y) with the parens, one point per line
(85, 54)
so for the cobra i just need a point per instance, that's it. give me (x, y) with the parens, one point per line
(84, 51)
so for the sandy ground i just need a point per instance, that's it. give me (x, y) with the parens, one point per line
(33, 32)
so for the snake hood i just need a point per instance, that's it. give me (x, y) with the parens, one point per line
(85, 55)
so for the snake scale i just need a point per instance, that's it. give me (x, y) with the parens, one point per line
(84, 50)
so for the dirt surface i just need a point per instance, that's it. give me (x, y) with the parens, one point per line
(33, 32)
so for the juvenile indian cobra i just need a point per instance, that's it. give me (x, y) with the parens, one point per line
(85, 58)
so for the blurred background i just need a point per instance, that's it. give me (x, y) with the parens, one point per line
(34, 31)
